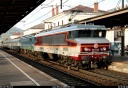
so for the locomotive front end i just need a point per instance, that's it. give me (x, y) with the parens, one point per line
(96, 54)
(93, 46)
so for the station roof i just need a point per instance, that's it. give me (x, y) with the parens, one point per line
(12, 11)
(110, 19)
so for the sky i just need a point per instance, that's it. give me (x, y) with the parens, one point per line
(43, 11)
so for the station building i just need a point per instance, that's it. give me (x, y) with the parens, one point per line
(35, 29)
(71, 15)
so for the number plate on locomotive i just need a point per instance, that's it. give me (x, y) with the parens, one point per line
(95, 50)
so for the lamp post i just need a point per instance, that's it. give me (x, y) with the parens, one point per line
(61, 4)
(122, 4)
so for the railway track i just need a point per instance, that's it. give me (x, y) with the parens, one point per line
(112, 74)
(95, 77)
(65, 77)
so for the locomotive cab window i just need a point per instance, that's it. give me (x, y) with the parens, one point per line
(99, 33)
(73, 34)
(84, 33)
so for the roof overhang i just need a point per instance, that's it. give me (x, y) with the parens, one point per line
(12, 11)
(110, 19)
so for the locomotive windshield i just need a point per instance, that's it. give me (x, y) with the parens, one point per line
(99, 33)
(84, 33)
(87, 33)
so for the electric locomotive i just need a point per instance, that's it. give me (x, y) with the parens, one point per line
(76, 45)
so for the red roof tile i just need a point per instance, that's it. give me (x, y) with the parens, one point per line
(83, 9)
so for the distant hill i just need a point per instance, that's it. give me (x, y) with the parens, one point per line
(12, 30)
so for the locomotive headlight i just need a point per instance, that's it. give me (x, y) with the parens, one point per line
(86, 49)
(104, 48)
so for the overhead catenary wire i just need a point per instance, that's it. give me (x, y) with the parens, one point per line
(38, 10)
(118, 3)
(50, 11)
(98, 2)
(44, 14)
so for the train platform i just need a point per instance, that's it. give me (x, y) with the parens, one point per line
(14, 72)
(119, 63)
